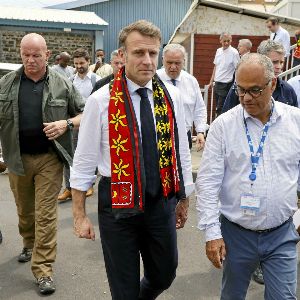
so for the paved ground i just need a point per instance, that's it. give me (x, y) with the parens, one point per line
(79, 269)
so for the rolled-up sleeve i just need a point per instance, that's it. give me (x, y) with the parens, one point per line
(87, 154)
(209, 181)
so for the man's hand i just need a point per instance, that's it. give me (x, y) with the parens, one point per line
(211, 84)
(200, 141)
(216, 252)
(182, 212)
(98, 64)
(83, 228)
(55, 129)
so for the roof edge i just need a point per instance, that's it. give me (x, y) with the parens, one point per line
(75, 4)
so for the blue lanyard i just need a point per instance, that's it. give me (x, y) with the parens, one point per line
(255, 157)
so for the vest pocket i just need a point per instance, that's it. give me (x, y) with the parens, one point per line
(6, 111)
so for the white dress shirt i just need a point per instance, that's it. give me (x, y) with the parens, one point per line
(194, 106)
(85, 86)
(224, 170)
(295, 83)
(283, 37)
(225, 62)
(93, 143)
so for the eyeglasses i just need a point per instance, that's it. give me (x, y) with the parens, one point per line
(254, 92)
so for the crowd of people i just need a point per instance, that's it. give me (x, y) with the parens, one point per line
(134, 125)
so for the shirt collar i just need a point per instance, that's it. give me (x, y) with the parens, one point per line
(277, 112)
(88, 75)
(168, 78)
(133, 87)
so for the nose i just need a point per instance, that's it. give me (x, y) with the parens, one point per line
(247, 97)
(147, 59)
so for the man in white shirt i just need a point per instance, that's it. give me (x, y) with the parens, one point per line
(279, 34)
(295, 83)
(134, 131)
(194, 107)
(63, 67)
(247, 186)
(84, 80)
(226, 60)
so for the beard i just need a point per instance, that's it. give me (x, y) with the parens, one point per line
(82, 70)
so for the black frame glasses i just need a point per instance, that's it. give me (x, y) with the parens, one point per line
(254, 92)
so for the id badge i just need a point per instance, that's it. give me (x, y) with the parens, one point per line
(250, 204)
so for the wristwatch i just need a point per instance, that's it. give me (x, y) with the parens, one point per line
(70, 124)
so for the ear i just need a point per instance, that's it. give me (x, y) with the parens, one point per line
(122, 53)
(48, 54)
(273, 84)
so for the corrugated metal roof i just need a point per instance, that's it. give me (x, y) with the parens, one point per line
(50, 15)
(75, 4)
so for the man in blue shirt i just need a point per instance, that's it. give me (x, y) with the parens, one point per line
(283, 91)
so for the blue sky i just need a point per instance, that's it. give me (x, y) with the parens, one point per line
(32, 3)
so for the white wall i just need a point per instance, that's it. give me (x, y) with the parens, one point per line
(206, 20)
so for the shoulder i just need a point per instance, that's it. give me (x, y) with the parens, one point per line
(161, 73)
(234, 50)
(100, 96)
(286, 85)
(229, 118)
(8, 77)
(55, 76)
(294, 80)
(288, 111)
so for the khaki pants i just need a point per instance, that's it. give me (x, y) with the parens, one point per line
(36, 199)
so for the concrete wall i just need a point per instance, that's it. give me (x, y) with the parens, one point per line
(206, 20)
(10, 39)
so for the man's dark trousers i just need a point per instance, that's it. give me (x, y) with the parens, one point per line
(151, 234)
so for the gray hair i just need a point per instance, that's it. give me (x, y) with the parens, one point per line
(225, 34)
(268, 46)
(247, 43)
(258, 59)
(174, 47)
(114, 54)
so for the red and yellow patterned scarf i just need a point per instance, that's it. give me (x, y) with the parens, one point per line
(127, 170)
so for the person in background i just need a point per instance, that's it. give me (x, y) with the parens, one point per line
(279, 34)
(84, 80)
(63, 67)
(141, 201)
(116, 62)
(226, 60)
(294, 82)
(42, 108)
(100, 67)
(247, 186)
(56, 59)
(194, 108)
(283, 91)
(297, 50)
(244, 47)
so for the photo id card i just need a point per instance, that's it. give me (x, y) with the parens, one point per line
(250, 204)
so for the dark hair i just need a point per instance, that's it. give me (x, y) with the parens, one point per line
(100, 50)
(80, 52)
(273, 20)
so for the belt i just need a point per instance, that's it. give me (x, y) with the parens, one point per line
(259, 231)
(106, 179)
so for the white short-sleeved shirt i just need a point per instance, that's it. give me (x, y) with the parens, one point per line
(225, 62)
